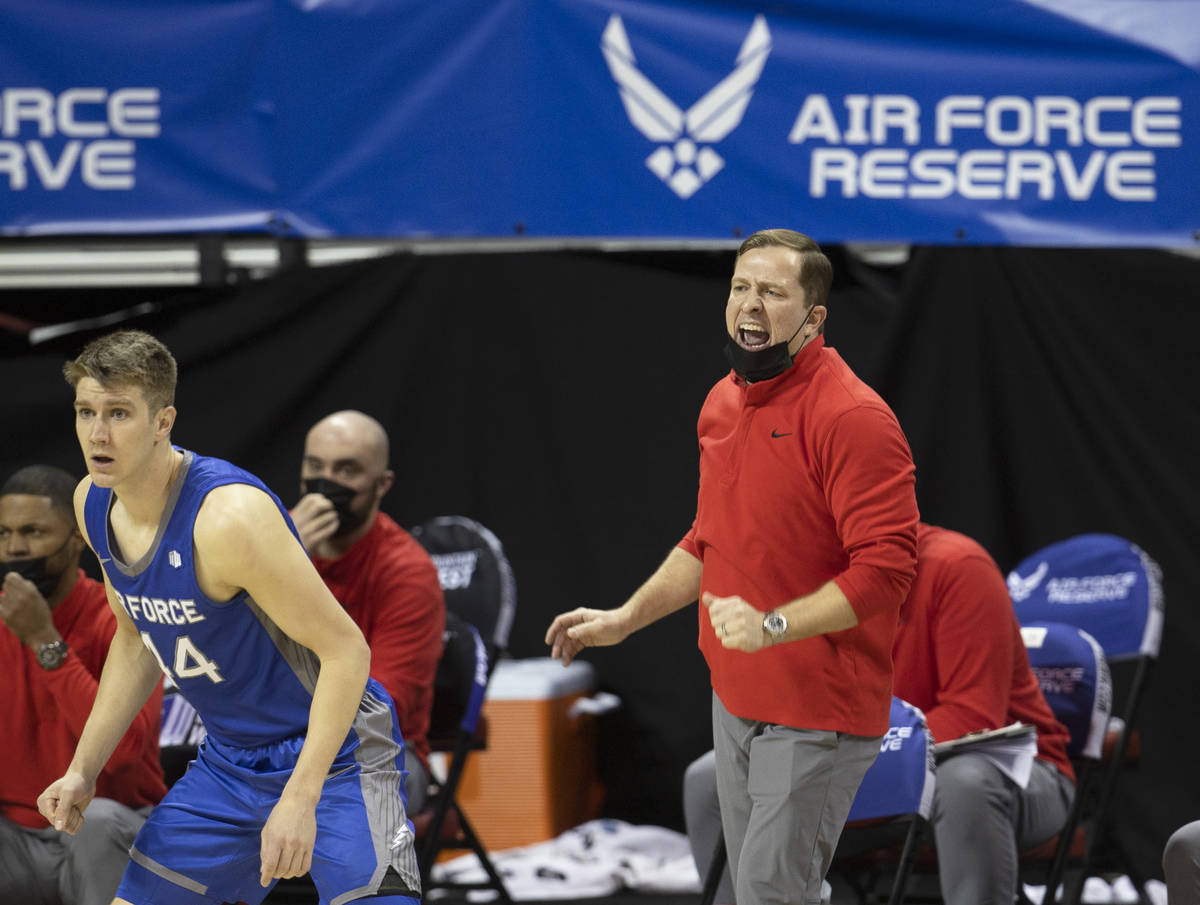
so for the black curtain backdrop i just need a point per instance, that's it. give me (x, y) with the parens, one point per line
(553, 397)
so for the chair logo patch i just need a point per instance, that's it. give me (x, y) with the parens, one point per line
(455, 570)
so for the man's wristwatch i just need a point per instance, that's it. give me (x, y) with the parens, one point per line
(775, 625)
(51, 654)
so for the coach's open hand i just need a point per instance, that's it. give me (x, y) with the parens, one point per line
(571, 632)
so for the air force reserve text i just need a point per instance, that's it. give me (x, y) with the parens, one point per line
(84, 130)
(986, 148)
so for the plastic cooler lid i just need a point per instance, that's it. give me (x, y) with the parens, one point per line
(540, 678)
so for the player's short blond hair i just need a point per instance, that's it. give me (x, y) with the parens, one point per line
(128, 357)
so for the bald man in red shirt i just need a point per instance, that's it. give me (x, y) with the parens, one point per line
(376, 570)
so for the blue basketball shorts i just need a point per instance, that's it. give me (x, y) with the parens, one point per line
(201, 844)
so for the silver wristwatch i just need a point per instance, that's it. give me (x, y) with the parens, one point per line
(775, 624)
(51, 654)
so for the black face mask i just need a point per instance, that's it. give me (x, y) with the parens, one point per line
(760, 364)
(35, 570)
(341, 496)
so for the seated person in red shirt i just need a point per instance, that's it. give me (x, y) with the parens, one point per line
(958, 656)
(56, 632)
(384, 578)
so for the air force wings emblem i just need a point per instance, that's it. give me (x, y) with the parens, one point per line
(684, 159)
(1020, 588)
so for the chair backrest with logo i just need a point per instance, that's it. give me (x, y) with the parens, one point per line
(460, 684)
(1104, 584)
(901, 781)
(475, 575)
(1073, 674)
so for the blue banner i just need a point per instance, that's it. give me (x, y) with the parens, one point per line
(1051, 122)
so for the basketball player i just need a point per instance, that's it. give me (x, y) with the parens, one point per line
(302, 769)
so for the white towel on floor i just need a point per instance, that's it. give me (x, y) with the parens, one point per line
(594, 859)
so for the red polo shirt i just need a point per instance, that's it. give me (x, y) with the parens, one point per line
(959, 654)
(806, 478)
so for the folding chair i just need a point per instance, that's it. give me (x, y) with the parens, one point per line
(481, 595)
(896, 791)
(458, 694)
(1111, 589)
(1073, 674)
(475, 575)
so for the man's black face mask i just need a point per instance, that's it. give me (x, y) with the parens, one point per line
(35, 570)
(341, 496)
(761, 364)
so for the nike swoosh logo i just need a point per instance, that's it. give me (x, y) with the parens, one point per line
(104, 559)
(777, 435)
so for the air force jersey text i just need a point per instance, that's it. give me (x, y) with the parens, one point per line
(221, 655)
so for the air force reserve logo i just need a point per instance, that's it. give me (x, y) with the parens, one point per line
(1020, 587)
(684, 159)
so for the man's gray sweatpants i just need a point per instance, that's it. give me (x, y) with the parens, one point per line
(785, 794)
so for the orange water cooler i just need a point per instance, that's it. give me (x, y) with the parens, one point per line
(537, 777)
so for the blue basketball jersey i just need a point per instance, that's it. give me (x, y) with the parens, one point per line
(250, 683)
(252, 686)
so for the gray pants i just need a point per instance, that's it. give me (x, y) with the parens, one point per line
(416, 786)
(702, 814)
(48, 867)
(1181, 865)
(784, 795)
(982, 819)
